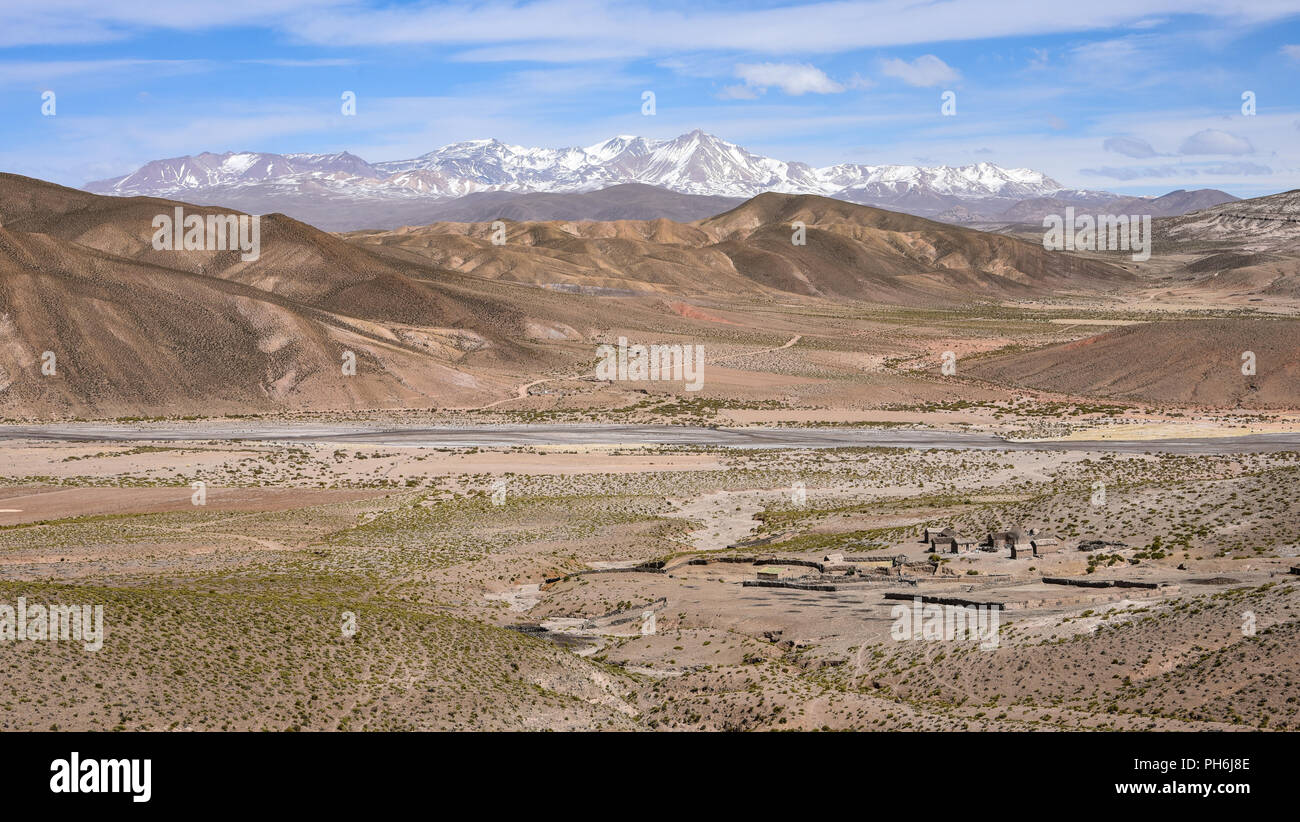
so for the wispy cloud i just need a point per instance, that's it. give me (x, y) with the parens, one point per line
(1216, 141)
(629, 27)
(739, 92)
(51, 22)
(569, 81)
(1139, 172)
(1238, 168)
(323, 62)
(792, 78)
(1129, 147)
(925, 71)
(47, 72)
(1176, 170)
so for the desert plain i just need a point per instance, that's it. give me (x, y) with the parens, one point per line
(280, 546)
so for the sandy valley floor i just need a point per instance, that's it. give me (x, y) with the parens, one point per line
(474, 612)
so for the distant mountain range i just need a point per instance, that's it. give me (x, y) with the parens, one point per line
(654, 178)
(446, 315)
(439, 314)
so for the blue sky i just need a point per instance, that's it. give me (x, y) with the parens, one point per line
(1136, 96)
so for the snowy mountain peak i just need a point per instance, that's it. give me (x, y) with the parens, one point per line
(624, 143)
(693, 163)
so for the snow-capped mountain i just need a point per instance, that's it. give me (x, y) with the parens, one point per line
(981, 179)
(694, 163)
(206, 170)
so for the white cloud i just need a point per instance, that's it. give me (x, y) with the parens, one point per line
(1129, 147)
(45, 22)
(1140, 172)
(1181, 170)
(636, 29)
(1104, 53)
(925, 71)
(1238, 168)
(1292, 51)
(568, 29)
(738, 92)
(1214, 141)
(556, 52)
(792, 78)
(567, 81)
(1121, 59)
(48, 71)
(324, 62)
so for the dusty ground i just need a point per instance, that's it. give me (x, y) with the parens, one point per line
(469, 615)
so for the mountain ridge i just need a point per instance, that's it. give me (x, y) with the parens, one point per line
(692, 163)
(462, 180)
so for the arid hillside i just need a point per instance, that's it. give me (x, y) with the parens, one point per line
(1183, 363)
(135, 330)
(446, 316)
(628, 201)
(846, 252)
(1244, 251)
(297, 262)
(131, 338)
(1260, 223)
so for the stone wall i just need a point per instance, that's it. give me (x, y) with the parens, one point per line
(625, 615)
(801, 586)
(646, 568)
(931, 599)
(1102, 583)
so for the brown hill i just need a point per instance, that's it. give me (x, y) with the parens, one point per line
(1174, 204)
(297, 261)
(863, 252)
(851, 252)
(1237, 251)
(628, 201)
(436, 316)
(133, 338)
(1184, 362)
(1270, 223)
(140, 331)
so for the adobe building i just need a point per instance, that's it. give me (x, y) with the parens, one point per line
(951, 543)
(1044, 544)
(1013, 539)
(1021, 543)
(935, 531)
